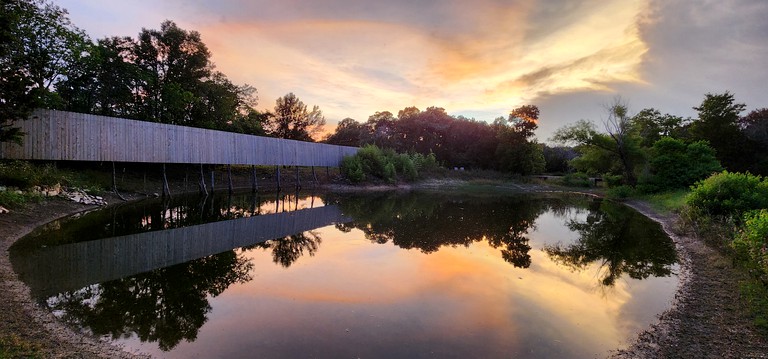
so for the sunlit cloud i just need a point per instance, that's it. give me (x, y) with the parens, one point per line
(479, 58)
(498, 55)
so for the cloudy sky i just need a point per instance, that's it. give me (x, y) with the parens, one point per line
(478, 58)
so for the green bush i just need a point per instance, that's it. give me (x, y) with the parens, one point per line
(371, 163)
(352, 168)
(675, 164)
(728, 195)
(621, 192)
(752, 241)
(576, 179)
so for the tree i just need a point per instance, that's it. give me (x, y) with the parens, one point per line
(718, 125)
(104, 80)
(651, 126)
(676, 164)
(292, 120)
(349, 133)
(516, 152)
(38, 43)
(174, 63)
(617, 151)
(755, 127)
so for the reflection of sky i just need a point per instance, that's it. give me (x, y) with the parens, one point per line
(357, 299)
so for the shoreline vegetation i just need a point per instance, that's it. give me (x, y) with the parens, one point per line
(710, 316)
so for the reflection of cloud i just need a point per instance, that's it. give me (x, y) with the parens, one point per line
(475, 289)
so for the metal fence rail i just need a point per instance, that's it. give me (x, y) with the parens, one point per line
(69, 136)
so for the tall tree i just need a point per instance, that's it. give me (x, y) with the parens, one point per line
(37, 44)
(718, 125)
(651, 126)
(517, 152)
(616, 151)
(755, 127)
(291, 119)
(175, 63)
(104, 80)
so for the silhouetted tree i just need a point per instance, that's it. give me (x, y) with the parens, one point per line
(718, 124)
(291, 119)
(38, 43)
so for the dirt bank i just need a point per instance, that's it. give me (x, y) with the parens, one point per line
(20, 316)
(707, 319)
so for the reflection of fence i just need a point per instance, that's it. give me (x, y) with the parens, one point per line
(69, 136)
(56, 269)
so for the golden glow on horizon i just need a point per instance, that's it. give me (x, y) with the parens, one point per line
(497, 59)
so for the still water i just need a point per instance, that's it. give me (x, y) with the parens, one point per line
(356, 276)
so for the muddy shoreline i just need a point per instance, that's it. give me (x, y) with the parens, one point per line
(706, 320)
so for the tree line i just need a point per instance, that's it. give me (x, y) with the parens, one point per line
(167, 76)
(507, 144)
(163, 75)
(654, 151)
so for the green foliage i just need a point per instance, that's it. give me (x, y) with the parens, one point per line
(718, 125)
(752, 241)
(12, 346)
(621, 192)
(373, 163)
(352, 168)
(667, 201)
(675, 164)
(13, 199)
(728, 195)
(616, 151)
(25, 175)
(576, 179)
(38, 43)
(755, 293)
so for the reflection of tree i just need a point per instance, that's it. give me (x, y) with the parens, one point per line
(430, 221)
(165, 305)
(286, 251)
(621, 240)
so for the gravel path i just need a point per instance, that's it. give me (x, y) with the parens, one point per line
(707, 320)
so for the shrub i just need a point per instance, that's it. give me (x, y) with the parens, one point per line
(752, 240)
(352, 168)
(576, 179)
(372, 163)
(675, 164)
(621, 192)
(729, 195)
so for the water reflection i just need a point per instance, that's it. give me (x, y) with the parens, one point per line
(166, 305)
(422, 264)
(57, 260)
(622, 241)
(428, 221)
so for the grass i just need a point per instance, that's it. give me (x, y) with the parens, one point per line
(666, 202)
(755, 293)
(24, 175)
(12, 346)
(11, 199)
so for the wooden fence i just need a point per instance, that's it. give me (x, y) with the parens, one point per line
(56, 269)
(69, 136)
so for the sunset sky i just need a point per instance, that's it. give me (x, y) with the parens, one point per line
(477, 58)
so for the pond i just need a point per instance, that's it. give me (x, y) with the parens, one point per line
(383, 275)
